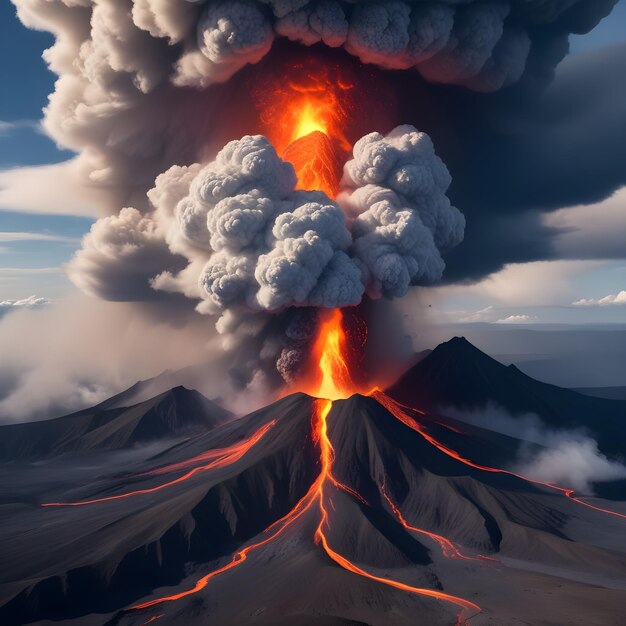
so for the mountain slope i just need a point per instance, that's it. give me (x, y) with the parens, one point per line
(457, 374)
(65, 562)
(174, 413)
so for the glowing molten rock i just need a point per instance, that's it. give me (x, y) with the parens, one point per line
(316, 162)
(305, 115)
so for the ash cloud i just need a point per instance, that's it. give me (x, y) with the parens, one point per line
(119, 256)
(237, 238)
(402, 216)
(137, 99)
(263, 245)
(126, 66)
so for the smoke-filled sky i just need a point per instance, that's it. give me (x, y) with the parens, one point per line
(41, 230)
(499, 198)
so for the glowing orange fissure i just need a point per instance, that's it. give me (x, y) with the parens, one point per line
(399, 412)
(219, 458)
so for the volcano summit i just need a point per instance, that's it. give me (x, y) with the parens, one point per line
(356, 510)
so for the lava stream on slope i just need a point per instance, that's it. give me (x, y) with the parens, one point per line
(332, 381)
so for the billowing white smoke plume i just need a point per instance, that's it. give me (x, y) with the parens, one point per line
(237, 238)
(568, 458)
(402, 216)
(254, 243)
(265, 245)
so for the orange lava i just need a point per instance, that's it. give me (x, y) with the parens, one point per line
(329, 370)
(331, 380)
(305, 119)
(327, 454)
(334, 381)
(316, 162)
(228, 456)
(447, 547)
(397, 410)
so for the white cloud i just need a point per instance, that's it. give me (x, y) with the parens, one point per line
(12, 236)
(517, 319)
(539, 283)
(18, 283)
(483, 315)
(9, 127)
(30, 302)
(591, 230)
(55, 189)
(30, 270)
(618, 298)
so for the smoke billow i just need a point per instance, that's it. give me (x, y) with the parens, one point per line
(253, 243)
(570, 458)
(402, 217)
(230, 233)
(126, 66)
(265, 245)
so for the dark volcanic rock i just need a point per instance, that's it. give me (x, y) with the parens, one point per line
(457, 374)
(74, 562)
(174, 413)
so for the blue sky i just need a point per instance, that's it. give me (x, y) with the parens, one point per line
(30, 266)
(34, 247)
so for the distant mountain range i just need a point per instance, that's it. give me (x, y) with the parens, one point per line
(457, 374)
(109, 426)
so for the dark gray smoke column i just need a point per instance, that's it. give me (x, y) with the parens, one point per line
(124, 65)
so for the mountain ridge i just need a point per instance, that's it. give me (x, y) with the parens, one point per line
(174, 413)
(458, 374)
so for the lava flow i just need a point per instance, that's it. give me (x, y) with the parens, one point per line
(221, 457)
(327, 454)
(330, 381)
(400, 413)
(317, 494)
(333, 382)
(447, 547)
(304, 119)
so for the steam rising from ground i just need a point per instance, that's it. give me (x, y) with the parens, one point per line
(559, 456)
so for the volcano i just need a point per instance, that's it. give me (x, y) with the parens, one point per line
(308, 511)
(457, 374)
